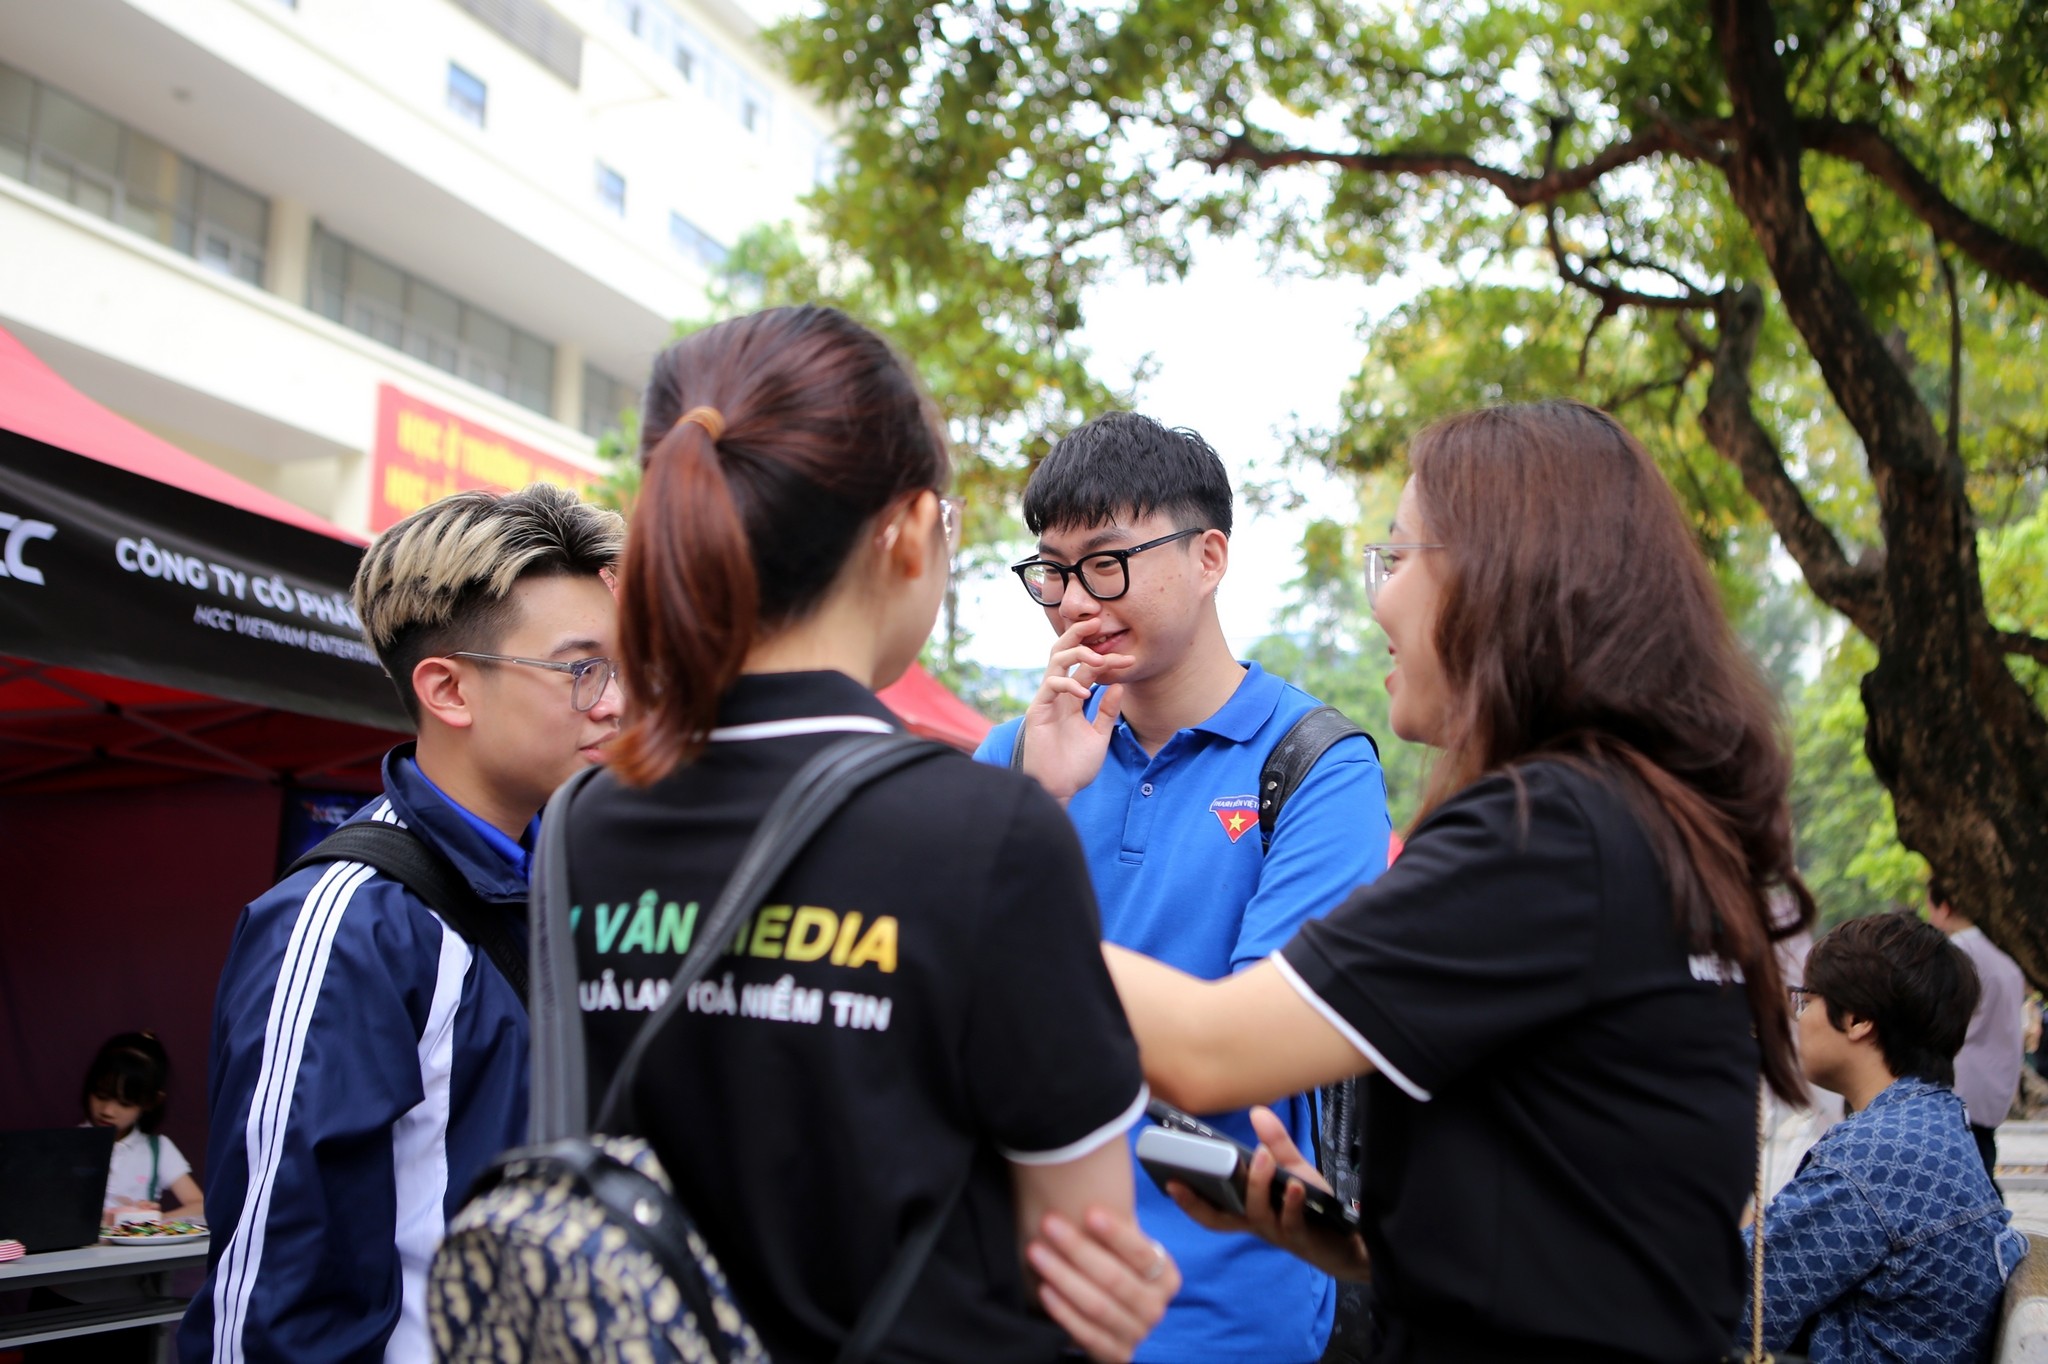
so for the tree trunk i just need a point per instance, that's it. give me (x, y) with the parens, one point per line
(1951, 734)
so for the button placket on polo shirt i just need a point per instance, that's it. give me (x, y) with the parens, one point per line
(1148, 793)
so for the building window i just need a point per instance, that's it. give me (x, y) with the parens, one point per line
(694, 242)
(112, 171)
(383, 302)
(606, 403)
(611, 189)
(627, 14)
(753, 110)
(698, 61)
(466, 95)
(535, 29)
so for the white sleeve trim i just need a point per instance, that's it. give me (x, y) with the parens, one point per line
(1089, 1144)
(1350, 1034)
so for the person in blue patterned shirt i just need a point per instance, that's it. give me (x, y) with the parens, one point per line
(1890, 1243)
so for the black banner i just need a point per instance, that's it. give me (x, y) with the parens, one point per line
(115, 573)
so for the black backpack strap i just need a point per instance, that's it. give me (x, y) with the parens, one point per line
(1291, 760)
(399, 853)
(1334, 1124)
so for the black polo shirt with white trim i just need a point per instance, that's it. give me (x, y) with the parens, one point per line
(924, 989)
(1562, 1127)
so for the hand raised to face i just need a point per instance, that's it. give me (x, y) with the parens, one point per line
(1063, 748)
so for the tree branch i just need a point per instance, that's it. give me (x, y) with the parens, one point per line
(2027, 646)
(1615, 402)
(1955, 356)
(1613, 296)
(1731, 426)
(1874, 392)
(1523, 191)
(1866, 146)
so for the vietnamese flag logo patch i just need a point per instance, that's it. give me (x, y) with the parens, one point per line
(1236, 814)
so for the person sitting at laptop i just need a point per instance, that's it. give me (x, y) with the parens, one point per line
(127, 1088)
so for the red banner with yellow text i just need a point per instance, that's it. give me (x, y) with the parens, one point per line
(424, 453)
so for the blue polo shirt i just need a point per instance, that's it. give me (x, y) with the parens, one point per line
(1172, 841)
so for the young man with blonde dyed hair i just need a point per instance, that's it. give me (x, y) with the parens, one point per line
(368, 1059)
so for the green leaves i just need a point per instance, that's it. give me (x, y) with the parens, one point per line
(1551, 176)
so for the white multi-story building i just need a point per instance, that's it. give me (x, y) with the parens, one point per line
(360, 252)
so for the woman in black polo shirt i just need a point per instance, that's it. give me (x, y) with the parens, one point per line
(1564, 987)
(925, 996)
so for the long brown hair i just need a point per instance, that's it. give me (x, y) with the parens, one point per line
(1579, 621)
(747, 514)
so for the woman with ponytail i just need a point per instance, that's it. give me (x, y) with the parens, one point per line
(1564, 991)
(924, 998)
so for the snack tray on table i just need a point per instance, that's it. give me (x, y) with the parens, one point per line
(153, 1233)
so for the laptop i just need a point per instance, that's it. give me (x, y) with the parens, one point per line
(53, 1183)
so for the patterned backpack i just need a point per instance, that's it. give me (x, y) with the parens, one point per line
(575, 1250)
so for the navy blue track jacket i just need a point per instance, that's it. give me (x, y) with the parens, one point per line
(367, 1064)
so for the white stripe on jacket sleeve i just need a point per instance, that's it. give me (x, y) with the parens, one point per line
(419, 1156)
(299, 977)
(284, 1042)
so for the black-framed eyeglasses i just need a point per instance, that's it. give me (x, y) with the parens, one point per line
(588, 676)
(1382, 559)
(1800, 996)
(1105, 575)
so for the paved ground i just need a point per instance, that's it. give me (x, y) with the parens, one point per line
(2023, 1173)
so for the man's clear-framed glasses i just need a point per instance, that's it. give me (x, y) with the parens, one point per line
(1383, 560)
(1801, 996)
(953, 516)
(1105, 575)
(588, 676)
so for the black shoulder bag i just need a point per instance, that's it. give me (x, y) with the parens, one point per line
(576, 1245)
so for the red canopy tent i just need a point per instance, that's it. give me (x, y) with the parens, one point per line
(160, 617)
(36, 403)
(922, 702)
(179, 677)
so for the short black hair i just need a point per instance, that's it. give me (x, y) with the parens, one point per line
(1904, 976)
(131, 1068)
(1122, 464)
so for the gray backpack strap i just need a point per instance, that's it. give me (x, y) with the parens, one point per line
(559, 1105)
(1297, 753)
(1017, 750)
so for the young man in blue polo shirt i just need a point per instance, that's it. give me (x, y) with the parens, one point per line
(1153, 735)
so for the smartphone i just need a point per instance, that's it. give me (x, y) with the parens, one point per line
(1217, 1168)
(1214, 1169)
